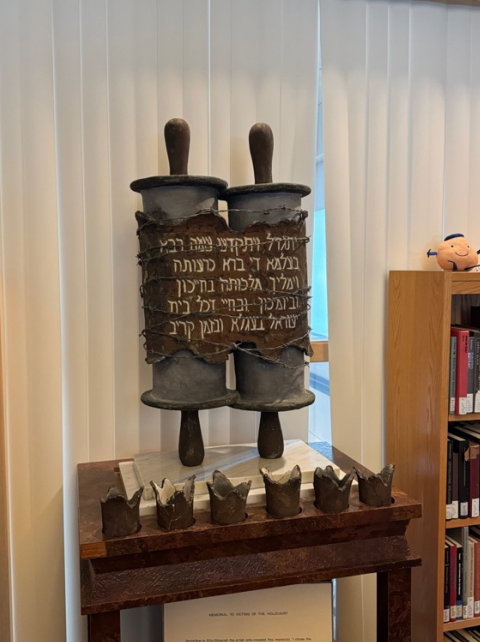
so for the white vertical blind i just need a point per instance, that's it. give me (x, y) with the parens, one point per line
(401, 88)
(86, 87)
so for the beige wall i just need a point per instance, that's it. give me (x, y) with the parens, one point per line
(401, 90)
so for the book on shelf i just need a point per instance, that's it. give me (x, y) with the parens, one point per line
(456, 599)
(473, 385)
(464, 393)
(476, 573)
(470, 582)
(472, 455)
(460, 446)
(474, 478)
(455, 510)
(461, 371)
(470, 379)
(464, 576)
(461, 595)
(446, 585)
(476, 368)
(452, 373)
(449, 496)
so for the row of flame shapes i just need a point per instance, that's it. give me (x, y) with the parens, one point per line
(120, 516)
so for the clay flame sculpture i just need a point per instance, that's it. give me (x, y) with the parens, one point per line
(227, 502)
(331, 492)
(174, 507)
(120, 516)
(376, 490)
(283, 495)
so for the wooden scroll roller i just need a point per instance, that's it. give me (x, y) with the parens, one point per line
(270, 371)
(185, 376)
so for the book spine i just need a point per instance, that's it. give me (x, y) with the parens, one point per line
(455, 511)
(470, 373)
(474, 479)
(463, 479)
(461, 378)
(465, 573)
(449, 478)
(453, 366)
(446, 586)
(453, 583)
(471, 579)
(459, 592)
(476, 398)
(476, 579)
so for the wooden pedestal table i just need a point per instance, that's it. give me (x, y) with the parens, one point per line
(155, 567)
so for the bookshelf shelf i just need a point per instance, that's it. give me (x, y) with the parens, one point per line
(462, 624)
(464, 282)
(458, 523)
(422, 306)
(473, 416)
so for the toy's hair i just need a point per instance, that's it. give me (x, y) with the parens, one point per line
(453, 236)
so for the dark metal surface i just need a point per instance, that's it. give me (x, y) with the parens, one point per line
(260, 140)
(183, 381)
(271, 387)
(270, 437)
(227, 502)
(283, 495)
(120, 516)
(174, 507)
(177, 142)
(267, 189)
(262, 205)
(143, 185)
(331, 493)
(376, 490)
(190, 442)
(263, 386)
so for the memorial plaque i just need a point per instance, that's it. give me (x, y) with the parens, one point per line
(301, 613)
(207, 288)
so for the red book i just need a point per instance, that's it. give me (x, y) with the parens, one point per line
(461, 375)
(474, 479)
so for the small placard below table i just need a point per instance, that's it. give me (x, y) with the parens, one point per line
(283, 614)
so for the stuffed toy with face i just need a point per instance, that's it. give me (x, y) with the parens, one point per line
(456, 253)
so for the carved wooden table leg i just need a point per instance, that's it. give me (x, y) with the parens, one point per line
(104, 627)
(394, 606)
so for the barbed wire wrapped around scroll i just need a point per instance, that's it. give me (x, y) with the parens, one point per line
(207, 288)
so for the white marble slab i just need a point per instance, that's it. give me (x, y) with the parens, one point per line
(239, 462)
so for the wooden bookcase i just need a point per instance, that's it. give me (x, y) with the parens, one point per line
(421, 308)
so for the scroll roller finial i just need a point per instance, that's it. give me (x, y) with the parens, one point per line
(177, 142)
(261, 151)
